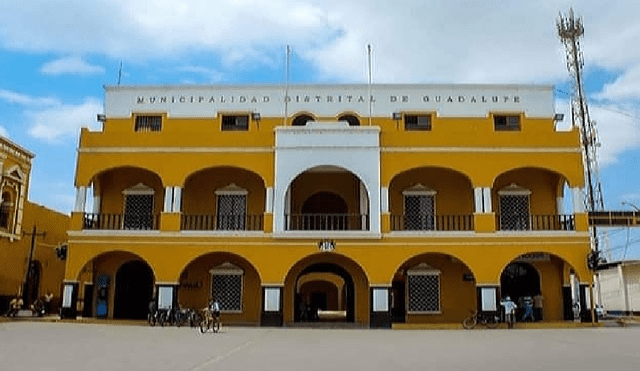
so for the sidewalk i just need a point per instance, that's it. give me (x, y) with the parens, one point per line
(607, 322)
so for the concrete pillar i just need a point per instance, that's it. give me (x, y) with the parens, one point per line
(81, 199)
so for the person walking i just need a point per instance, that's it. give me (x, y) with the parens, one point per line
(509, 311)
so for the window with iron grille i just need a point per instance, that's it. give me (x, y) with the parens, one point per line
(506, 123)
(235, 122)
(148, 123)
(232, 213)
(419, 212)
(423, 294)
(138, 211)
(226, 289)
(514, 212)
(417, 122)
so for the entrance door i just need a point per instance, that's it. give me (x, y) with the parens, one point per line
(134, 290)
(319, 295)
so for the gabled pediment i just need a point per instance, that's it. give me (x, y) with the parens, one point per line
(422, 269)
(231, 189)
(139, 189)
(15, 173)
(514, 190)
(226, 268)
(418, 189)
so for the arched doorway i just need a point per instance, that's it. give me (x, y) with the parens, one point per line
(521, 283)
(320, 300)
(134, 290)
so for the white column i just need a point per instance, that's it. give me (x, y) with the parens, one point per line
(96, 204)
(486, 197)
(81, 199)
(384, 199)
(578, 200)
(560, 205)
(478, 199)
(168, 199)
(177, 199)
(268, 204)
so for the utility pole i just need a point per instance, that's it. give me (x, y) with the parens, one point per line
(25, 281)
(570, 31)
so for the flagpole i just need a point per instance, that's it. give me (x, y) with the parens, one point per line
(286, 85)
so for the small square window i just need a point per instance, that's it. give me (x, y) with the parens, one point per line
(417, 122)
(506, 123)
(148, 123)
(235, 122)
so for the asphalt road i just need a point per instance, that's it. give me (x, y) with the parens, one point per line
(75, 346)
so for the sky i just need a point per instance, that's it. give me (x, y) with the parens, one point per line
(56, 56)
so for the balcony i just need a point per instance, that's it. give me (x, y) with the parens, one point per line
(327, 222)
(212, 222)
(529, 222)
(427, 222)
(120, 221)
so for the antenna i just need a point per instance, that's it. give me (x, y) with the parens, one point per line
(370, 82)
(286, 84)
(570, 31)
(120, 73)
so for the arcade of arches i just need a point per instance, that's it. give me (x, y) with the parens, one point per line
(326, 287)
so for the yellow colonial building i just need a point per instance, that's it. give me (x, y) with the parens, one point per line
(29, 266)
(365, 204)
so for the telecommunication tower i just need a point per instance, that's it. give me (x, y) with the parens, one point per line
(570, 31)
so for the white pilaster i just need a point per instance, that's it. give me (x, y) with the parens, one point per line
(81, 199)
(168, 199)
(177, 199)
(486, 197)
(478, 199)
(384, 199)
(268, 206)
(560, 205)
(578, 200)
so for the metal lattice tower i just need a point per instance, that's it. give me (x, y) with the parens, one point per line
(570, 31)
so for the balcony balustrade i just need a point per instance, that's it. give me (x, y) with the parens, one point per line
(121, 221)
(428, 222)
(524, 222)
(213, 222)
(327, 222)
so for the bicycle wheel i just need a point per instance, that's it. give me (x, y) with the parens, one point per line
(216, 325)
(151, 319)
(204, 325)
(469, 322)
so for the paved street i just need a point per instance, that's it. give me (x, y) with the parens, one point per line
(74, 346)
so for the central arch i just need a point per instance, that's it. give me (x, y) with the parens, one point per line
(308, 304)
(330, 284)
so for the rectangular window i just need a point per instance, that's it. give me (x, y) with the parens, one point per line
(148, 123)
(226, 289)
(419, 212)
(424, 293)
(506, 123)
(138, 212)
(232, 212)
(235, 122)
(514, 212)
(417, 122)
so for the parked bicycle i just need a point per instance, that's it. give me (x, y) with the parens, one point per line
(475, 318)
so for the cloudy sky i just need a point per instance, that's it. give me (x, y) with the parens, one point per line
(56, 55)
